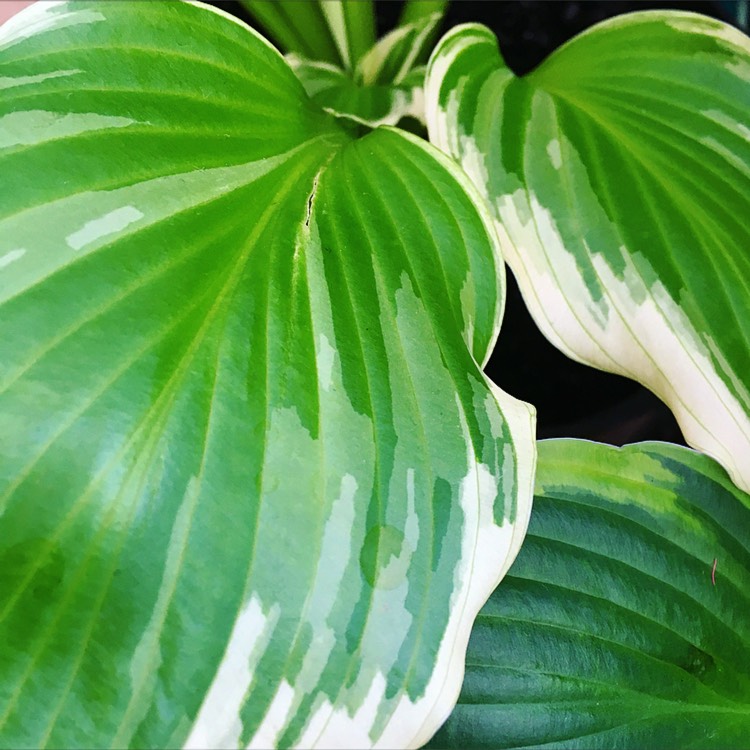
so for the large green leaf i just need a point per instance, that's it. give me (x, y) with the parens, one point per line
(254, 486)
(619, 174)
(624, 621)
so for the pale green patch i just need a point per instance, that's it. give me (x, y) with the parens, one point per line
(325, 357)
(9, 82)
(12, 256)
(147, 653)
(553, 150)
(42, 17)
(31, 127)
(111, 223)
(689, 23)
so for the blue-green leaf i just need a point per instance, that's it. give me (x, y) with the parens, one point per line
(254, 486)
(619, 175)
(624, 621)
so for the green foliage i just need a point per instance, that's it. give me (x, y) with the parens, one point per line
(254, 485)
(619, 175)
(258, 485)
(340, 64)
(623, 622)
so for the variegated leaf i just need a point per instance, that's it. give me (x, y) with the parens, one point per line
(619, 175)
(624, 620)
(254, 486)
(413, 10)
(336, 32)
(386, 85)
(394, 56)
(338, 93)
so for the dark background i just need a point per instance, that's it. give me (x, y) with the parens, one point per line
(572, 400)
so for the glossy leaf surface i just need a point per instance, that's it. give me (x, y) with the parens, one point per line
(254, 486)
(612, 628)
(619, 175)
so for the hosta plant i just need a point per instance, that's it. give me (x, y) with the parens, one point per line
(254, 484)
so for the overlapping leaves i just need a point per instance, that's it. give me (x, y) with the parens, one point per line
(619, 174)
(254, 484)
(333, 51)
(623, 622)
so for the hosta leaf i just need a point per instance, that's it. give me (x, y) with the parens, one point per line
(337, 32)
(413, 10)
(619, 173)
(253, 484)
(394, 56)
(624, 621)
(386, 86)
(353, 27)
(296, 26)
(416, 10)
(378, 104)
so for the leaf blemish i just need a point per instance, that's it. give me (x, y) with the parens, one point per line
(310, 199)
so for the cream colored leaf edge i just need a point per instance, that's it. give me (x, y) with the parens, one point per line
(644, 334)
(488, 550)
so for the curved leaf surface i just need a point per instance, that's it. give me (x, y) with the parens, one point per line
(394, 56)
(623, 622)
(296, 27)
(336, 32)
(385, 87)
(619, 174)
(254, 486)
(338, 93)
(353, 27)
(413, 10)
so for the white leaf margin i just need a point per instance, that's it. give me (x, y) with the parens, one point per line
(637, 331)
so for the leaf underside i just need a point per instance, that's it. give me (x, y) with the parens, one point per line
(619, 175)
(623, 622)
(254, 486)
